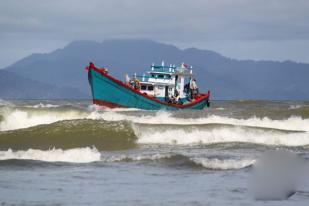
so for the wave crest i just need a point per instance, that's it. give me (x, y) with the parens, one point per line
(179, 160)
(14, 118)
(76, 155)
(213, 134)
(227, 164)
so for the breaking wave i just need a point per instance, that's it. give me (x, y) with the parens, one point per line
(295, 106)
(184, 161)
(4, 102)
(76, 155)
(17, 118)
(227, 164)
(71, 134)
(42, 105)
(218, 133)
(164, 117)
(44, 128)
(141, 157)
(88, 155)
(13, 119)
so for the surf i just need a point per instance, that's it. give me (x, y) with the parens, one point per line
(17, 118)
(76, 155)
(66, 126)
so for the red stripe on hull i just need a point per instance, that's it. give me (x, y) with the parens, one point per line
(107, 104)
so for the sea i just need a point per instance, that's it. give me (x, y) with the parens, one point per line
(71, 152)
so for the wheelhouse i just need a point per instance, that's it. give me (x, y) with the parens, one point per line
(163, 82)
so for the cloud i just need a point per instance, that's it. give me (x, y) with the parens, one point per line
(181, 22)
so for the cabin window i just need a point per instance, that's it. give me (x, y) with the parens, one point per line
(153, 76)
(161, 76)
(150, 87)
(168, 76)
(143, 87)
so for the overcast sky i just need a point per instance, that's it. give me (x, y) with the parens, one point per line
(242, 29)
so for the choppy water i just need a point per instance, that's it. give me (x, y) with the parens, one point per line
(75, 153)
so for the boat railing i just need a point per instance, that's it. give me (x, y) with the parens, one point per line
(145, 78)
(160, 68)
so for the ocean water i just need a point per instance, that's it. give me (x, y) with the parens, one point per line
(76, 153)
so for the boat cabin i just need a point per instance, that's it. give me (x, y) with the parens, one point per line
(165, 82)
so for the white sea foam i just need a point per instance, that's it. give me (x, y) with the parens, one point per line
(4, 102)
(297, 106)
(76, 155)
(219, 108)
(226, 164)
(164, 117)
(209, 163)
(220, 135)
(97, 108)
(140, 157)
(41, 105)
(17, 119)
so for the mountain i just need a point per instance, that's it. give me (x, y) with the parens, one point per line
(226, 78)
(14, 86)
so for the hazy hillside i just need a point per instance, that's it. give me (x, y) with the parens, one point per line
(225, 77)
(16, 87)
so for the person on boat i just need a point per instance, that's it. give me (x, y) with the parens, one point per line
(193, 88)
(156, 92)
(177, 95)
(186, 88)
(131, 83)
(137, 84)
(127, 79)
(174, 99)
(171, 99)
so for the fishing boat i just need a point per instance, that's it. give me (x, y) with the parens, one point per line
(163, 87)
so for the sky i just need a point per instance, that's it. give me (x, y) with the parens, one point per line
(241, 29)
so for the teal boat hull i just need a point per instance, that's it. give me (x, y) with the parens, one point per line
(111, 92)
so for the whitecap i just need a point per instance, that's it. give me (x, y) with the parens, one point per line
(76, 155)
(226, 164)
